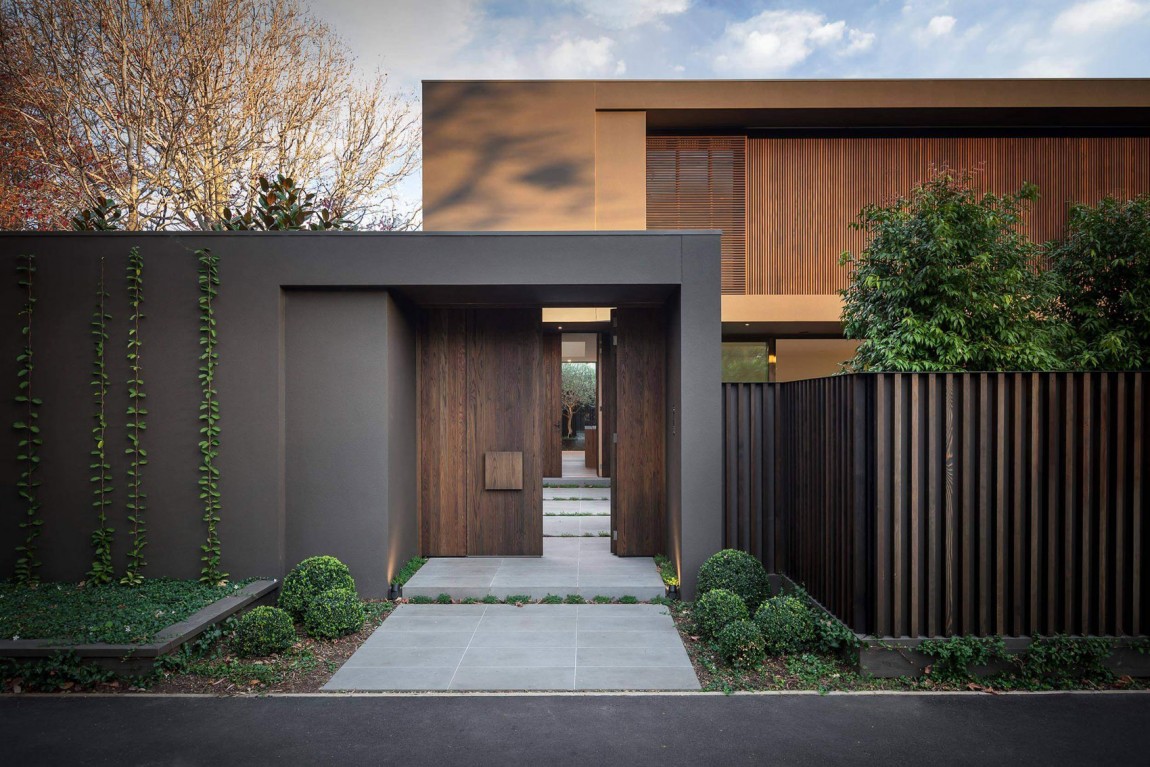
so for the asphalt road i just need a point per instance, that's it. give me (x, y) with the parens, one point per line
(1060, 729)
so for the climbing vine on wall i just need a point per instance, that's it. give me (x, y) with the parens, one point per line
(137, 423)
(29, 442)
(209, 280)
(101, 479)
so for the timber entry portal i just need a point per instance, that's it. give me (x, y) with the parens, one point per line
(486, 421)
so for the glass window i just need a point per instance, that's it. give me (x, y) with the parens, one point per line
(745, 361)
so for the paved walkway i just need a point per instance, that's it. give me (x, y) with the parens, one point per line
(558, 730)
(585, 526)
(583, 566)
(533, 647)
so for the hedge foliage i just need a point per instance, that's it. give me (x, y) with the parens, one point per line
(309, 579)
(741, 644)
(786, 624)
(333, 614)
(263, 631)
(737, 572)
(716, 609)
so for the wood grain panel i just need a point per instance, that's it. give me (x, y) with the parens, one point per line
(442, 432)
(552, 413)
(699, 182)
(504, 388)
(639, 493)
(503, 471)
(803, 193)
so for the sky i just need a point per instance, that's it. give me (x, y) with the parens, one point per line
(414, 40)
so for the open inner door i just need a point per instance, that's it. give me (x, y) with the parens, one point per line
(637, 409)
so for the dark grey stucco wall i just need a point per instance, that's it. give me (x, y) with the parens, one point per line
(699, 443)
(348, 358)
(336, 282)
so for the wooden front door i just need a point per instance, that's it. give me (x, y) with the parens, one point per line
(552, 413)
(481, 439)
(638, 496)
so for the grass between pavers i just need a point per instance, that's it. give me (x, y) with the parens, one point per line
(78, 614)
(572, 514)
(410, 568)
(829, 673)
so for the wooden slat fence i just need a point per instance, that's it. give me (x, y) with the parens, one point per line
(944, 504)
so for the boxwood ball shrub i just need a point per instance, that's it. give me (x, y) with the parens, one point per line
(716, 609)
(786, 624)
(741, 644)
(309, 579)
(334, 614)
(263, 631)
(735, 571)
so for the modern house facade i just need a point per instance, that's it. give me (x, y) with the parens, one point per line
(381, 395)
(781, 167)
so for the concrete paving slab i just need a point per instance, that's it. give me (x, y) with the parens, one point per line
(533, 647)
(514, 679)
(582, 566)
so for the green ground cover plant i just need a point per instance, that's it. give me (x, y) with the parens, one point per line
(105, 613)
(410, 568)
(667, 570)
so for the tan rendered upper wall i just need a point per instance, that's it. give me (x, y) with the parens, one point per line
(514, 156)
(620, 170)
(522, 155)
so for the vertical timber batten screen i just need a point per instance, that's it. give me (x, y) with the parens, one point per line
(803, 193)
(699, 182)
(944, 504)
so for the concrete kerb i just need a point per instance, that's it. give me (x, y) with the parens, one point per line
(141, 658)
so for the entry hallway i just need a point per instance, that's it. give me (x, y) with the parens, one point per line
(533, 647)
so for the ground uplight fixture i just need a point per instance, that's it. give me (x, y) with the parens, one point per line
(672, 590)
(395, 591)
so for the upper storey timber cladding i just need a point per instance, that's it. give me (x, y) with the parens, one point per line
(783, 232)
(782, 167)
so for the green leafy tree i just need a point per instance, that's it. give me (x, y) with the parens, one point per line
(1103, 269)
(578, 384)
(282, 204)
(947, 282)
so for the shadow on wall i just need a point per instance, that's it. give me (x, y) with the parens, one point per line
(484, 168)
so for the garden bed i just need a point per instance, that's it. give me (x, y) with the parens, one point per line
(125, 629)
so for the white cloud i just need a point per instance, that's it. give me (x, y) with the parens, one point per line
(940, 26)
(625, 14)
(858, 42)
(1098, 16)
(571, 57)
(775, 41)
